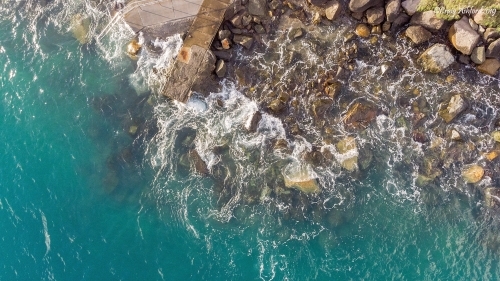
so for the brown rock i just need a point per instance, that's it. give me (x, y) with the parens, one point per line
(301, 177)
(493, 49)
(220, 68)
(332, 90)
(133, 48)
(418, 34)
(333, 10)
(375, 15)
(473, 173)
(348, 153)
(491, 155)
(226, 43)
(197, 162)
(478, 55)
(410, 6)
(392, 9)
(359, 6)
(427, 19)
(456, 105)
(489, 66)
(359, 115)
(362, 30)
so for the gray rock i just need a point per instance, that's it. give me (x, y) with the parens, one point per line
(359, 6)
(473, 24)
(259, 29)
(463, 37)
(410, 6)
(392, 9)
(399, 22)
(257, 7)
(333, 9)
(428, 20)
(295, 33)
(274, 4)
(375, 15)
(244, 41)
(253, 122)
(436, 58)
(418, 34)
(220, 68)
(464, 59)
(223, 55)
(236, 21)
(493, 49)
(478, 55)
(223, 34)
(456, 105)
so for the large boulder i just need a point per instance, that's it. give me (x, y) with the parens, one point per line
(257, 7)
(494, 49)
(301, 176)
(375, 16)
(463, 37)
(410, 6)
(418, 34)
(359, 115)
(392, 9)
(437, 58)
(492, 197)
(472, 173)
(359, 6)
(348, 154)
(456, 105)
(489, 66)
(428, 20)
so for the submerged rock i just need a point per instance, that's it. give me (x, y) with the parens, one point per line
(473, 173)
(197, 162)
(456, 105)
(359, 115)
(436, 58)
(494, 49)
(80, 26)
(463, 37)
(492, 197)
(348, 154)
(496, 136)
(253, 122)
(301, 177)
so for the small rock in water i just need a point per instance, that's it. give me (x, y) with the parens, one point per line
(456, 105)
(132, 130)
(226, 43)
(436, 58)
(332, 90)
(321, 105)
(244, 41)
(133, 48)
(316, 18)
(423, 181)
(295, 33)
(491, 155)
(362, 30)
(455, 135)
(253, 122)
(473, 173)
(489, 66)
(359, 115)
(492, 197)
(220, 68)
(276, 106)
(496, 136)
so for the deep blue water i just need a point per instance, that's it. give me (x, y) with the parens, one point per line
(82, 199)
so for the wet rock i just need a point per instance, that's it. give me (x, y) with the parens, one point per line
(423, 180)
(224, 34)
(496, 136)
(316, 18)
(321, 105)
(301, 177)
(455, 135)
(362, 30)
(296, 33)
(492, 197)
(224, 55)
(375, 15)
(489, 66)
(427, 19)
(456, 105)
(259, 29)
(494, 49)
(348, 154)
(333, 10)
(80, 26)
(133, 48)
(418, 34)
(463, 37)
(257, 7)
(220, 68)
(478, 55)
(244, 41)
(132, 130)
(277, 106)
(473, 173)
(197, 162)
(386, 26)
(332, 90)
(436, 58)
(419, 137)
(359, 115)
(410, 6)
(253, 122)
(226, 43)
(491, 155)
(359, 6)
(399, 23)
(377, 30)
(392, 9)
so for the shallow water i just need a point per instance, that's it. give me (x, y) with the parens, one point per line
(82, 198)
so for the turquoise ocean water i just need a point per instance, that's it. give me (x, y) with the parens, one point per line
(82, 199)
